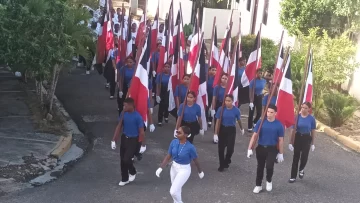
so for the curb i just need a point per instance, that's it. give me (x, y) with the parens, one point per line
(346, 141)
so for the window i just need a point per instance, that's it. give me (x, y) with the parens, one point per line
(248, 5)
(265, 12)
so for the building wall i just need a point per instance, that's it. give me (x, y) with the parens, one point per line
(186, 6)
(352, 85)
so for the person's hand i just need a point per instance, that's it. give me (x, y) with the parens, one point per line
(312, 147)
(158, 171)
(201, 175)
(151, 110)
(251, 105)
(249, 153)
(216, 139)
(154, 73)
(152, 128)
(202, 132)
(175, 133)
(121, 94)
(113, 145)
(158, 99)
(291, 147)
(280, 158)
(242, 131)
(142, 149)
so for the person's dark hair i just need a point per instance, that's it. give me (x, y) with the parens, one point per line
(259, 70)
(167, 63)
(186, 75)
(130, 57)
(130, 101)
(242, 59)
(224, 74)
(308, 104)
(116, 45)
(159, 43)
(186, 130)
(230, 96)
(273, 107)
(192, 93)
(211, 67)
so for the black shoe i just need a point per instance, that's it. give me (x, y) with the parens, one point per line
(221, 169)
(166, 120)
(139, 156)
(159, 124)
(301, 174)
(226, 166)
(292, 180)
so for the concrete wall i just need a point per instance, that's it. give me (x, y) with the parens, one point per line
(164, 6)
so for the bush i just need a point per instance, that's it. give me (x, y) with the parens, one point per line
(339, 107)
(268, 49)
(188, 29)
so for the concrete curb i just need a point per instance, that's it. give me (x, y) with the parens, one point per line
(346, 141)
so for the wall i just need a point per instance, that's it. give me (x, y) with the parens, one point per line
(353, 83)
(164, 6)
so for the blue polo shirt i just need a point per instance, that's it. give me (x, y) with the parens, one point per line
(219, 92)
(149, 104)
(272, 100)
(305, 125)
(155, 57)
(240, 72)
(180, 91)
(127, 73)
(270, 132)
(259, 86)
(114, 54)
(210, 83)
(191, 113)
(182, 153)
(229, 117)
(164, 79)
(132, 121)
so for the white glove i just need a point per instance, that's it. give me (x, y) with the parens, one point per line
(151, 110)
(213, 113)
(251, 105)
(249, 153)
(202, 131)
(152, 128)
(154, 73)
(175, 133)
(201, 175)
(280, 158)
(291, 147)
(113, 145)
(158, 171)
(312, 147)
(142, 149)
(158, 99)
(242, 131)
(121, 94)
(216, 138)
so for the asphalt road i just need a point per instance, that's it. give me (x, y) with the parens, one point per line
(332, 174)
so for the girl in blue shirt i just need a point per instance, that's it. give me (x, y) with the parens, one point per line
(302, 140)
(125, 75)
(218, 95)
(210, 89)
(229, 115)
(162, 94)
(182, 152)
(190, 116)
(180, 90)
(256, 88)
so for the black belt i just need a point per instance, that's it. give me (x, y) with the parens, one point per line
(267, 146)
(127, 137)
(302, 134)
(228, 126)
(188, 122)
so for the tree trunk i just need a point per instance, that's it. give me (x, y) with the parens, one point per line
(53, 86)
(41, 95)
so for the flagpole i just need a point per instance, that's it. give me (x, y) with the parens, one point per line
(121, 79)
(211, 47)
(292, 139)
(192, 75)
(166, 42)
(257, 61)
(182, 25)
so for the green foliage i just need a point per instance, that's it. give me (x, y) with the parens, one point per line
(268, 49)
(339, 107)
(334, 16)
(188, 29)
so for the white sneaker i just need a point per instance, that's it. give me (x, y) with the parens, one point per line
(123, 183)
(257, 189)
(268, 186)
(250, 130)
(87, 72)
(111, 97)
(132, 177)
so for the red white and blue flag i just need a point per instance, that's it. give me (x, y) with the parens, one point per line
(174, 73)
(214, 57)
(278, 72)
(233, 83)
(154, 31)
(129, 41)
(253, 63)
(308, 94)
(141, 30)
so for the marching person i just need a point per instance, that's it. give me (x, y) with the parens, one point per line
(218, 95)
(162, 94)
(132, 126)
(133, 38)
(154, 64)
(227, 131)
(270, 135)
(256, 95)
(180, 93)
(182, 152)
(109, 71)
(210, 89)
(125, 75)
(304, 141)
(243, 92)
(190, 116)
(273, 98)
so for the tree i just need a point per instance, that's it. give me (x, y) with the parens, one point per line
(334, 16)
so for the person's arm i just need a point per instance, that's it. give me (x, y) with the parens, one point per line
(198, 114)
(251, 91)
(158, 83)
(252, 140)
(312, 136)
(118, 129)
(121, 79)
(217, 126)
(177, 101)
(281, 145)
(292, 137)
(149, 117)
(240, 125)
(180, 117)
(165, 161)
(213, 103)
(197, 164)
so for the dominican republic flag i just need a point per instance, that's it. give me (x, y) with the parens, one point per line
(285, 99)
(233, 83)
(308, 94)
(198, 84)
(178, 25)
(194, 46)
(253, 63)
(122, 40)
(154, 31)
(101, 42)
(178, 45)
(171, 29)
(109, 31)
(224, 61)
(141, 30)
(139, 85)
(163, 55)
(129, 41)
(174, 77)
(214, 57)
(278, 72)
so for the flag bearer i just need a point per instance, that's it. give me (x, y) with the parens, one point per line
(304, 141)
(126, 73)
(270, 135)
(191, 116)
(243, 92)
(182, 152)
(227, 131)
(256, 89)
(132, 126)
(210, 89)
(218, 95)
(162, 94)
(180, 93)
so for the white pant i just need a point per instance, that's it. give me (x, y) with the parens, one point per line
(179, 175)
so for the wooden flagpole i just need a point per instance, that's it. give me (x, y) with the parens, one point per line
(252, 92)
